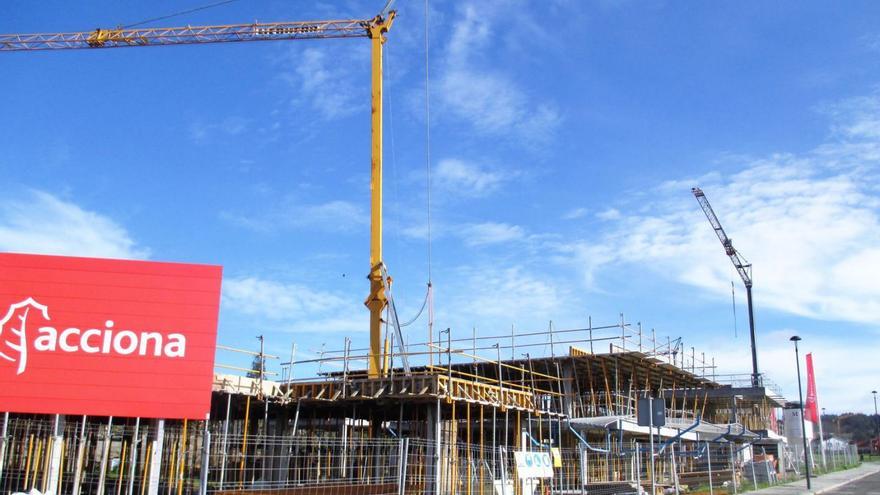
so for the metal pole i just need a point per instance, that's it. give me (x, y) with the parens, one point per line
(590, 321)
(638, 457)
(651, 429)
(224, 440)
(822, 443)
(501, 452)
(674, 469)
(80, 453)
(583, 469)
(437, 440)
(206, 459)
(754, 470)
(803, 420)
(876, 416)
(403, 447)
(733, 463)
(155, 469)
(3, 441)
(54, 474)
(449, 358)
(709, 460)
(105, 454)
(133, 463)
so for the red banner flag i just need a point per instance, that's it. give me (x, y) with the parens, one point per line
(811, 408)
(107, 337)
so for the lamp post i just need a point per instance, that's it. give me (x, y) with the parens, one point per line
(797, 361)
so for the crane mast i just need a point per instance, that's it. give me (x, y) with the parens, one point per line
(743, 267)
(374, 29)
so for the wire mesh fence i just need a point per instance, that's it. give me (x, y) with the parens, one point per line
(113, 456)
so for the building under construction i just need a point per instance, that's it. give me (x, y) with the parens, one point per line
(442, 417)
(454, 415)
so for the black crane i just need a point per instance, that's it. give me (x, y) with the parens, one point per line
(743, 267)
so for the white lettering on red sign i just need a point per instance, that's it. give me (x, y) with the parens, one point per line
(14, 343)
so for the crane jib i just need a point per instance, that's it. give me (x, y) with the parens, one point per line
(118, 37)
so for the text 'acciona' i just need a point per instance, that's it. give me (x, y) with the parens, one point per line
(109, 341)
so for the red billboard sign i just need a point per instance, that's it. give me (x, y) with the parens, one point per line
(107, 337)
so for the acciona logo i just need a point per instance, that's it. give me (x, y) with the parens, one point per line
(15, 343)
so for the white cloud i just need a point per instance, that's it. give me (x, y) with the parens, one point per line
(467, 178)
(841, 367)
(575, 213)
(493, 297)
(333, 216)
(490, 100)
(201, 132)
(323, 80)
(811, 230)
(609, 214)
(41, 223)
(293, 307)
(482, 234)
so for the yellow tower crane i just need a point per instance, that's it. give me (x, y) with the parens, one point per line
(374, 29)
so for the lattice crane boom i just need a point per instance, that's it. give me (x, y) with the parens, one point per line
(744, 269)
(121, 37)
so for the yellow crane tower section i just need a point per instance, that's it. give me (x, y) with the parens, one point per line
(375, 29)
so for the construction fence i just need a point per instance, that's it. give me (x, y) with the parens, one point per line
(117, 457)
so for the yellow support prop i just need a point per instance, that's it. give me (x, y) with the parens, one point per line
(453, 471)
(121, 470)
(182, 459)
(468, 443)
(39, 453)
(482, 453)
(172, 468)
(27, 466)
(146, 469)
(61, 471)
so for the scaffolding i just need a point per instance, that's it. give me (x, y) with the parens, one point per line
(445, 418)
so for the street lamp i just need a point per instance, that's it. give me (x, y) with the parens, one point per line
(797, 361)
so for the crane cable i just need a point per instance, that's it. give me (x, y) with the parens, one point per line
(182, 12)
(387, 73)
(430, 296)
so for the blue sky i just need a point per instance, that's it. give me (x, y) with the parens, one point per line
(565, 138)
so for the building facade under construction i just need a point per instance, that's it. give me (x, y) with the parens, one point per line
(441, 417)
